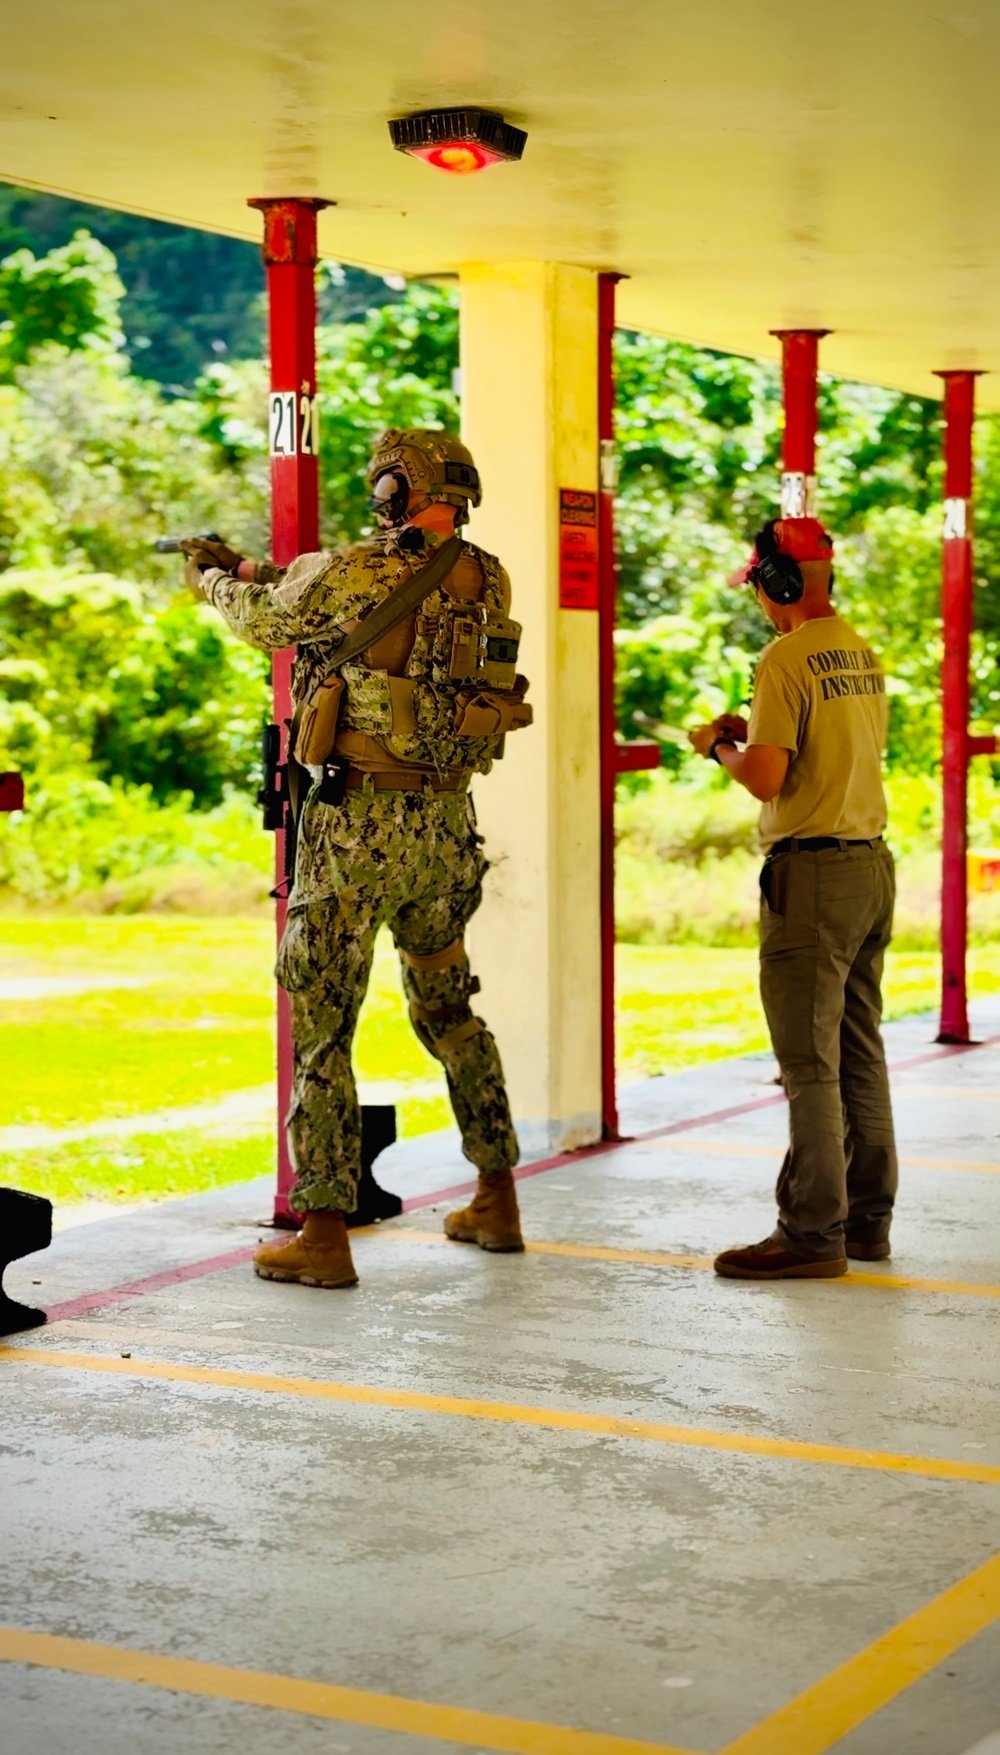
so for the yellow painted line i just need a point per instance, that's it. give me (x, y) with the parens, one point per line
(809, 1725)
(510, 1413)
(817, 1720)
(660, 1258)
(720, 1148)
(582, 1251)
(385, 1712)
(913, 1283)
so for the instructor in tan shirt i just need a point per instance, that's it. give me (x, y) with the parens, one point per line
(812, 754)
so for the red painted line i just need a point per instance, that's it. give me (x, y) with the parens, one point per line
(523, 1171)
(214, 1264)
(659, 1133)
(192, 1270)
(943, 1052)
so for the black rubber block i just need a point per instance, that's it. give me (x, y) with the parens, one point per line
(25, 1226)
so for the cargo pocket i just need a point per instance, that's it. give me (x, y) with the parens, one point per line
(787, 907)
(774, 883)
(304, 951)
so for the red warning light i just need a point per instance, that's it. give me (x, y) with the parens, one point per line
(458, 141)
(459, 157)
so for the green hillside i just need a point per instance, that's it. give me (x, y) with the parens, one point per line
(189, 296)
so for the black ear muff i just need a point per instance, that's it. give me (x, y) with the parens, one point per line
(779, 577)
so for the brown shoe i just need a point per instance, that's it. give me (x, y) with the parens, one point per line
(859, 1250)
(771, 1260)
(320, 1255)
(491, 1219)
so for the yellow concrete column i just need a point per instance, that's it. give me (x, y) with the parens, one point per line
(529, 414)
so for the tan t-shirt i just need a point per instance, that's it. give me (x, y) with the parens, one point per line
(820, 693)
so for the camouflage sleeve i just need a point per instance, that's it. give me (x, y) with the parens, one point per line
(294, 605)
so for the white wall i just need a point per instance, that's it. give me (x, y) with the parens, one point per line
(529, 406)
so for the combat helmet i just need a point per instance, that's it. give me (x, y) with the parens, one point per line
(432, 463)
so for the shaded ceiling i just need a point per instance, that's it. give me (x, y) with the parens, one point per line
(748, 165)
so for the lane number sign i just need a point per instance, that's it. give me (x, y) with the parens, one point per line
(293, 424)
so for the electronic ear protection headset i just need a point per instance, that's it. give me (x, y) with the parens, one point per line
(777, 575)
(393, 506)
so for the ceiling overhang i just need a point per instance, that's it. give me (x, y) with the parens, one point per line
(747, 166)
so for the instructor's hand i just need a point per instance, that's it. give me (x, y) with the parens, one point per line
(731, 725)
(702, 739)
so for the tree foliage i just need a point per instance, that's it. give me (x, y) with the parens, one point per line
(97, 680)
(190, 297)
(109, 672)
(107, 669)
(396, 369)
(70, 296)
(699, 441)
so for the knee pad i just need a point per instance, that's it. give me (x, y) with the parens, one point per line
(439, 986)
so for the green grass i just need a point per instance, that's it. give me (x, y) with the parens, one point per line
(201, 1027)
(682, 1003)
(151, 1166)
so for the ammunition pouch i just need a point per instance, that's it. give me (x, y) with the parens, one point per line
(470, 644)
(491, 712)
(317, 729)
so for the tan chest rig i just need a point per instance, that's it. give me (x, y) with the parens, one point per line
(460, 692)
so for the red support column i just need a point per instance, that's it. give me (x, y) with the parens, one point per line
(956, 614)
(290, 256)
(11, 791)
(799, 364)
(607, 722)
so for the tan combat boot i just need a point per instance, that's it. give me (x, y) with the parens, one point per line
(491, 1219)
(319, 1256)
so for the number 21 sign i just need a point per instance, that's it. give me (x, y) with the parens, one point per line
(293, 424)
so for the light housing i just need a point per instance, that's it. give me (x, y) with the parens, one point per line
(458, 141)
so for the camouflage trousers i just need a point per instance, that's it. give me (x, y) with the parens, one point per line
(414, 861)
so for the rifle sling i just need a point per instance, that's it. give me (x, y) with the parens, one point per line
(399, 604)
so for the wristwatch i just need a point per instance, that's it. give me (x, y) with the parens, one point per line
(728, 743)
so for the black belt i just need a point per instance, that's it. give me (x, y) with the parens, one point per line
(818, 844)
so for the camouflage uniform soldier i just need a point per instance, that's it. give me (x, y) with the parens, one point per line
(399, 847)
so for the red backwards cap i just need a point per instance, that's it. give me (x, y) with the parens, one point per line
(804, 539)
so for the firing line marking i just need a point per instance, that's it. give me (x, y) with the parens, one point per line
(822, 1715)
(386, 1712)
(811, 1724)
(512, 1413)
(664, 1259)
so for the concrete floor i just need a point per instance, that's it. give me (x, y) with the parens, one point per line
(480, 1498)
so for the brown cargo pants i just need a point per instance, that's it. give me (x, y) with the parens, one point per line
(825, 922)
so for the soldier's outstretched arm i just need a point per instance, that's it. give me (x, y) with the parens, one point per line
(272, 607)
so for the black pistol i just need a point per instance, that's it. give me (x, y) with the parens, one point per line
(171, 545)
